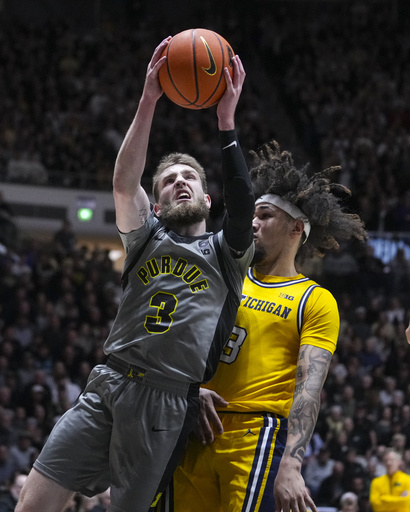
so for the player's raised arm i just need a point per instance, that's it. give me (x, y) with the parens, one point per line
(131, 200)
(237, 189)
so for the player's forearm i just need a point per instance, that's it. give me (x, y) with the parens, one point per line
(301, 424)
(131, 158)
(238, 195)
(313, 365)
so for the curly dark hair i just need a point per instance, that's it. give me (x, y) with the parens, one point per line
(317, 197)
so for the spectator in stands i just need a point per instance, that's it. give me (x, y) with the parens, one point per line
(64, 392)
(9, 498)
(27, 369)
(23, 452)
(7, 465)
(384, 426)
(332, 487)
(370, 356)
(353, 468)
(72, 505)
(319, 467)
(375, 466)
(340, 270)
(348, 401)
(334, 421)
(400, 271)
(23, 324)
(338, 445)
(65, 239)
(360, 323)
(386, 394)
(349, 502)
(398, 443)
(37, 392)
(395, 311)
(383, 328)
(391, 491)
(369, 395)
(360, 486)
(100, 503)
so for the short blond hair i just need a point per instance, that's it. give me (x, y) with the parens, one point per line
(174, 159)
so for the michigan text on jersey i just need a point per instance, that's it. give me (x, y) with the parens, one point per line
(266, 306)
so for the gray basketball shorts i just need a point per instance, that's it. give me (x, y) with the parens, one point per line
(126, 434)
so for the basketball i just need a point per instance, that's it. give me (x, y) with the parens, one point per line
(193, 75)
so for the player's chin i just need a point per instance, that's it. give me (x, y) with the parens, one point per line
(185, 214)
(180, 202)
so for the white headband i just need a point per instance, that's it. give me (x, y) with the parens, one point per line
(288, 207)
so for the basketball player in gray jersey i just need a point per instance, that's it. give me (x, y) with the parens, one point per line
(182, 287)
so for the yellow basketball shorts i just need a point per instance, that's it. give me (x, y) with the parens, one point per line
(236, 472)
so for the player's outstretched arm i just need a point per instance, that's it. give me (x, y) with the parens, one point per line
(290, 489)
(237, 189)
(131, 201)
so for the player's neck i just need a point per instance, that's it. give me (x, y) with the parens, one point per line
(280, 268)
(197, 229)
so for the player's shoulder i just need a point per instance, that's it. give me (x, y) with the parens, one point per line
(323, 297)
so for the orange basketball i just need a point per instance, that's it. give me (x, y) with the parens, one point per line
(193, 74)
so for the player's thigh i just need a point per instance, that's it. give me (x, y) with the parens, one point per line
(41, 493)
(149, 424)
(195, 485)
(76, 452)
(247, 458)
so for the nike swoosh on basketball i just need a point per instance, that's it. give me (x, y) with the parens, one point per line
(233, 143)
(212, 64)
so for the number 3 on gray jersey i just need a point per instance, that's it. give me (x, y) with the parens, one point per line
(165, 304)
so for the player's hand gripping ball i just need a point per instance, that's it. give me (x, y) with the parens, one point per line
(193, 74)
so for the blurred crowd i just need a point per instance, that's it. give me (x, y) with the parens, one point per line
(339, 68)
(345, 80)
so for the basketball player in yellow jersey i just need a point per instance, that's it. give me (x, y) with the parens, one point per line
(264, 399)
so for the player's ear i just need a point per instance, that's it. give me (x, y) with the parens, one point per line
(298, 227)
(207, 200)
(157, 210)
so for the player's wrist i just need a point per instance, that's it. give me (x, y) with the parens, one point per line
(225, 125)
(290, 463)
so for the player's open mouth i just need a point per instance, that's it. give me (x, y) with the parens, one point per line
(183, 196)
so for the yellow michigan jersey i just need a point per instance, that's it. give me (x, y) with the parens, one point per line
(256, 376)
(276, 316)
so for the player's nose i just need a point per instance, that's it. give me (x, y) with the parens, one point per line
(180, 180)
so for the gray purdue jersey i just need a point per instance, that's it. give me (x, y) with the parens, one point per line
(179, 302)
